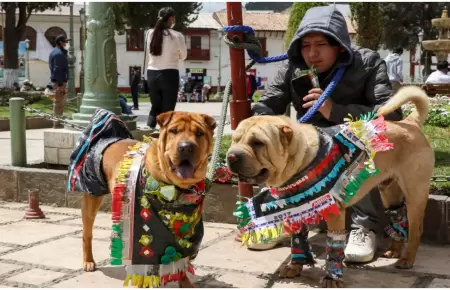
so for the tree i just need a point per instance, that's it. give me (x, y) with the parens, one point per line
(14, 33)
(273, 6)
(368, 17)
(404, 20)
(298, 10)
(141, 15)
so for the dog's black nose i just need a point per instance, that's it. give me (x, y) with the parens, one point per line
(234, 159)
(185, 148)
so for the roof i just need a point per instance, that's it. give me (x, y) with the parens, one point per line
(258, 21)
(206, 21)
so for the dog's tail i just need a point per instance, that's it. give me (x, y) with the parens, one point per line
(408, 94)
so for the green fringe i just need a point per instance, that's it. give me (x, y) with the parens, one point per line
(242, 214)
(352, 188)
(116, 246)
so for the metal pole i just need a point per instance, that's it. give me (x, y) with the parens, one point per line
(219, 77)
(71, 57)
(240, 104)
(28, 63)
(18, 132)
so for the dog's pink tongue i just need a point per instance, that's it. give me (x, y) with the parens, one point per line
(185, 171)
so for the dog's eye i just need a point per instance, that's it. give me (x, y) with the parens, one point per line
(257, 144)
(199, 134)
(173, 131)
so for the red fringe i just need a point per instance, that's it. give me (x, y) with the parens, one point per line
(177, 276)
(313, 173)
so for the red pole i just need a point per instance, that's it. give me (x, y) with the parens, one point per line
(240, 104)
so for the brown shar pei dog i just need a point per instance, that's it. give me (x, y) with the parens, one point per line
(178, 157)
(272, 150)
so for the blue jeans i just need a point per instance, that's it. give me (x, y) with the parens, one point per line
(125, 108)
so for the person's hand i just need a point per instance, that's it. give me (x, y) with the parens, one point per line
(312, 97)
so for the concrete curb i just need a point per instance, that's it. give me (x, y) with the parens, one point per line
(31, 123)
(219, 204)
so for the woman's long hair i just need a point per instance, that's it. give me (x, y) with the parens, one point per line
(161, 26)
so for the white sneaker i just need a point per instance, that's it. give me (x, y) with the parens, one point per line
(361, 246)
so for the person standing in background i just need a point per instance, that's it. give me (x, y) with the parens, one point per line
(59, 74)
(251, 85)
(394, 63)
(166, 47)
(135, 79)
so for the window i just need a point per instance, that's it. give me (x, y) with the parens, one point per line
(264, 52)
(31, 35)
(196, 42)
(52, 33)
(135, 40)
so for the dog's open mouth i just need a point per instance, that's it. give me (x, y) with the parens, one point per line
(184, 169)
(257, 179)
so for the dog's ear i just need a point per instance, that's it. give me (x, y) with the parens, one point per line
(164, 118)
(285, 132)
(209, 121)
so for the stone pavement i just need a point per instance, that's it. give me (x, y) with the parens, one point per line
(47, 253)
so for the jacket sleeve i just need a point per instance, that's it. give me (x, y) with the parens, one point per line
(60, 68)
(277, 96)
(400, 69)
(377, 92)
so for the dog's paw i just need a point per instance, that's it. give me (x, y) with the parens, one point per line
(291, 270)
(392, 254)
(330, 283)
(89, 266)
(403, 264)
(186, 283)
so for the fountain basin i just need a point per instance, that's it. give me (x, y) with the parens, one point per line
(441, 23)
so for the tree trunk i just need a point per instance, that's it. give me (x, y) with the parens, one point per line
(13, 34)
(11, 44)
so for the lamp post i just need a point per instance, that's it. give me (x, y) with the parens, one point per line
(27, 46)
(71, 58)
(219, 77)
(82, 45)
(420, 36)
(100, 78)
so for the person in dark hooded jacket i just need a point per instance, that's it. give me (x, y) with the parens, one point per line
(322, 41)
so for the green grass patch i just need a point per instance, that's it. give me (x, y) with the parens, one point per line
(45, 105)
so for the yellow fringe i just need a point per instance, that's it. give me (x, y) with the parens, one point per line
(262, 236)
(143, 281)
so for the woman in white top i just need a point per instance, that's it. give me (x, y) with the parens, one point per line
(166, 47)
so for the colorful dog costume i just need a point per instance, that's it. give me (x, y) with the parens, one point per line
(343, 162)
(157, 228)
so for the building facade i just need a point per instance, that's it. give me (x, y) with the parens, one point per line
(208, 56)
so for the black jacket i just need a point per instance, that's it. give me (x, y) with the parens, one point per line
(363, 88)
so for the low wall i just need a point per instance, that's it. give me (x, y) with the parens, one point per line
(31, 123)
(220, 202)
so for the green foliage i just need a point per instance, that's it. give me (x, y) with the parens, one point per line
(298, 10)
(439, 114)
(368, 17)
(137, 15)
(274, 6)
(402, 22)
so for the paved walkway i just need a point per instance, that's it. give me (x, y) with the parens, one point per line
(35, 138)
(47, 253)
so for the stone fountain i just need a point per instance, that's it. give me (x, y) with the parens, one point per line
(440, 46)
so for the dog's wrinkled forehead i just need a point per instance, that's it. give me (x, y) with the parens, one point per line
(250, 130)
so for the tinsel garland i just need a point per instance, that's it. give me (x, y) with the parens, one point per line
(366, 134)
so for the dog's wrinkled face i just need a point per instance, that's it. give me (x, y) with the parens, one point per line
(260, 149)
(185, 142)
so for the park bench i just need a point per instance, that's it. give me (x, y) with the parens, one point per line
(432, 90)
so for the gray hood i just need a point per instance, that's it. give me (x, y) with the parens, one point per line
(327, 20)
